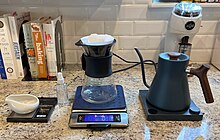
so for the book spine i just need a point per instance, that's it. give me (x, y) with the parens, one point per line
(7, 50)
(2, 68)
(15, 41)
(36, 29)
(30, 50)
(49, 42)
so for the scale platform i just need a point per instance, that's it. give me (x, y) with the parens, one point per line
(105, 115)
(152, 113)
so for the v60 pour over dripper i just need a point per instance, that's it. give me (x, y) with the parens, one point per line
(96, 45)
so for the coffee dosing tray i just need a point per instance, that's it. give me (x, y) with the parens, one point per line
(154, 114)
(41, 114)
(104, 115)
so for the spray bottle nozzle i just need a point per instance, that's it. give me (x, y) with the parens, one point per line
(60, 78)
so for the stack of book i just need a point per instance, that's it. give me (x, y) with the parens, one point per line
(27, 47)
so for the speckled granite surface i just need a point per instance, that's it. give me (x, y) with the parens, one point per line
(139, 128)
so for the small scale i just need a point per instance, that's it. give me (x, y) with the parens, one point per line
(105, 115)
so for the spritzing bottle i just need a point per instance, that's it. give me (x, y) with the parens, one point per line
(61, 89)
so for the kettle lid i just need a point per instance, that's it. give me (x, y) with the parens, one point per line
(174, 56)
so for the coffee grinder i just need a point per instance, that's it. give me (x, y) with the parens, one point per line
(183, 25)
(99, 103)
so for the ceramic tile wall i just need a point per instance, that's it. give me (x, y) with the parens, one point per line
(131, 22)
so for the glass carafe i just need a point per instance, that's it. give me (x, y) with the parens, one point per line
(98, 90)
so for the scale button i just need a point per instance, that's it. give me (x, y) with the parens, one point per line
(117, 118)
(80, 118)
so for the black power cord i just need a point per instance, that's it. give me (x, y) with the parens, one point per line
(142, 67)
(148, 62)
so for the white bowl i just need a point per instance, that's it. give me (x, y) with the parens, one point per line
(22, 103)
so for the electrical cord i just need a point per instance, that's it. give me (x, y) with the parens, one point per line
(151, 61)
(142, 67)
(135, 64)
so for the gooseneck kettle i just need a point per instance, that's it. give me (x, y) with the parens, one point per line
(169, 90)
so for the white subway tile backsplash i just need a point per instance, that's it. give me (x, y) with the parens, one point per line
(131, 55)
(133, 12)
(68, 27)
(141, 42)
(89, 27)
(118, 2)
(25, 2)
(203, 42)
(130, 42)
(130, 22)
(5, 9)
(4, 2)
(79, 54)
(9, 9)
(71, 56)
(156, 42)
(119, 28)
(211, 13)
(150, 27)
(69, 42)
(122, 54)
(202, 56)
(37, 12)
(141, 1)
(73, 2)
(159, 13)
(103, 12)
(74, 13)
(208, 28)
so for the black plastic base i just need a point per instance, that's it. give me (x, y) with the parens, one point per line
(155, 114)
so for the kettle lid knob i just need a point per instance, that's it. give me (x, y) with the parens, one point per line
(174, 55)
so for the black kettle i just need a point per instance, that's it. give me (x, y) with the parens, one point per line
(169, 90)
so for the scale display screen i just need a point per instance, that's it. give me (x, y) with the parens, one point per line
(99, 118)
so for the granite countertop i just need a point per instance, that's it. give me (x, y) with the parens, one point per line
(139, 128)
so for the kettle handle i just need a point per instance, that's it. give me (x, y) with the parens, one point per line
(201, 73)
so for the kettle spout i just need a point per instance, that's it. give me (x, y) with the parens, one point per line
(201, 73)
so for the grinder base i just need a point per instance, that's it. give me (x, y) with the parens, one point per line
(155, 114)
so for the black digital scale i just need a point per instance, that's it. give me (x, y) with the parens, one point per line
(88, 115)
(41, 114)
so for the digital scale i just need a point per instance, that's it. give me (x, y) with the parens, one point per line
(105, 115)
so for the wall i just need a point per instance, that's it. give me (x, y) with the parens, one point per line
(131, 22)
